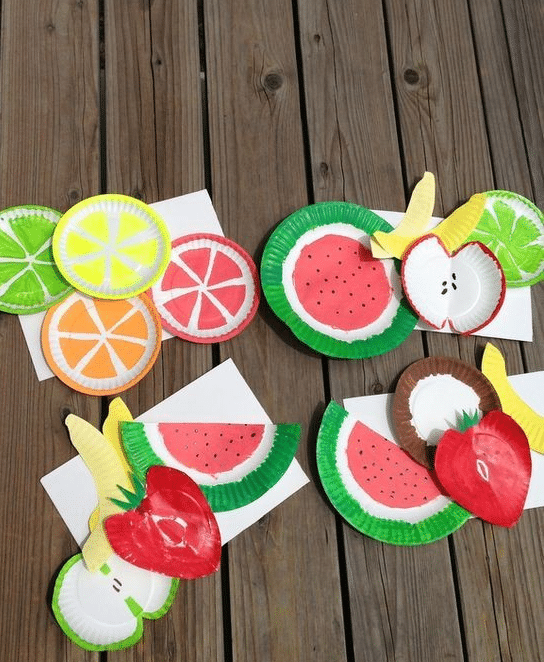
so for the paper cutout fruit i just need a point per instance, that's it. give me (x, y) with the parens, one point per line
(377, 487)
(233, 464)
(111, 246)
(414, 222)
(487, 468)
(320, 278)
(452, 231)
(29, 279)
(494, 368)
(209, 291)
(101, 347)
(465, 289)
(430, 395)
(105, 610)
(172, 531)
(513, 228)
(109, 475)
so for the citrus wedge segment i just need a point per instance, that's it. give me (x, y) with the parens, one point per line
(29, 279)
(101, 347)
(111, 246)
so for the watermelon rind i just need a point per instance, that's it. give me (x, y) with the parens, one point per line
(276, 252)
(392, 531)
(227, 495)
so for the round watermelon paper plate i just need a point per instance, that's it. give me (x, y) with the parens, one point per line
(209, 291)
(377, 487)
(232, 463)
(320, 278)
(111, 246)
(101, 347)
(430, 398)
(29, 279)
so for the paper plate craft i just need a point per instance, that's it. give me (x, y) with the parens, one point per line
(320, 278)
(168, 527)
(513, 228)
(104, 610)
(29, 279)
(464, 289)
(110, 475)
(431, 395)
(209, 291)
(486, 467)
(377, 487)
(494, 368)
(111, 246)
(101, 347)
(452, 231)
(233, 464)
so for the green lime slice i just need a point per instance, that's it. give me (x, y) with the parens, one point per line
(319, 277)
(29, 279)
(513, 228)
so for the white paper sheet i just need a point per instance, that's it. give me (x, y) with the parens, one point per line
(220, 396)
(183, 215)
(514, 320)
(373, 410)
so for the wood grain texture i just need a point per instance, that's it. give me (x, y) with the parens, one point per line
(49, 156)
(155, 150)
(284, 570)
(387, 606)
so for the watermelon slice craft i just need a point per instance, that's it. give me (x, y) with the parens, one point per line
(232, 463)
(320, 278)
(209, 291)
(377, 487)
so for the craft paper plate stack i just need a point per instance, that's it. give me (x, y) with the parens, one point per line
(106, 335)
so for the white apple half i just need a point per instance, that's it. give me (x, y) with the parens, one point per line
(103, 610)
(465, 288)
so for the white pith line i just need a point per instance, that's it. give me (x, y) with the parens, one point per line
(5, 286)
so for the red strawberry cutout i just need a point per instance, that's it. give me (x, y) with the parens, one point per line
(487, 468)
(172, 531)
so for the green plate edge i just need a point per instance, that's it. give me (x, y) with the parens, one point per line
(394, 532)
(277, 248)
(226, 496)
(30, 310)
(118, 645)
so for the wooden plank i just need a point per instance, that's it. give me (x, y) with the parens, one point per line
(49, 156)
(284, 582)
(344, 51)
(155, 151)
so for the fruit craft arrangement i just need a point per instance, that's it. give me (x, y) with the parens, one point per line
(158, 487)
(350, 286)
(109, 278)
(461, 448)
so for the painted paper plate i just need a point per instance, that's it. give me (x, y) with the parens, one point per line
(430, 398)
(320, 278)
(232, 463)
(464, 290)
(209, 291)
(377, 487)
(101, 347)
(111, 246)
(513, 228)
(29, 278)
(104, 610)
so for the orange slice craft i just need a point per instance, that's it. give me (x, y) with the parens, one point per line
(101, 347)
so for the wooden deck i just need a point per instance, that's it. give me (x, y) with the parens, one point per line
(271, 105)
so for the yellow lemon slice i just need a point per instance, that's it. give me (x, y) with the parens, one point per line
(494, 368)
(108, 473)
(111, 246)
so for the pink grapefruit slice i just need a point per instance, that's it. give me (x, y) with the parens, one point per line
(209, 291)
